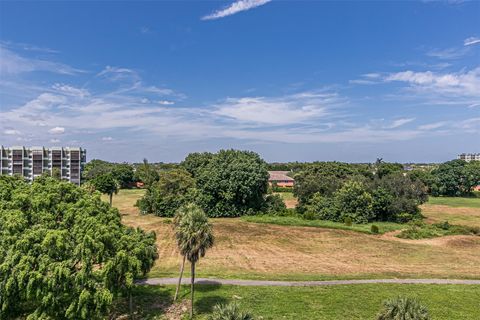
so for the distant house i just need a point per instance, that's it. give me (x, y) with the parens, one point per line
(280, 179)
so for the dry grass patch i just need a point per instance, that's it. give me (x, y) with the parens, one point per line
(251, 250)
(454, 215)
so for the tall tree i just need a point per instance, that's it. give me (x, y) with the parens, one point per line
(181, 212)
(146, 173)
(194, 237)
(106, 184)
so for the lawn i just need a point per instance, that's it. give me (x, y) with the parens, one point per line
(465, 202)
(298, 221)
(360, 301)
(267, 251)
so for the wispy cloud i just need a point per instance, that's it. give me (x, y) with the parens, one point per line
(13, 63)
(471, 41)
(399, 122)
(236, 7)
(449, 53)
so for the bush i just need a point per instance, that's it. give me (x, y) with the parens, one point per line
(347, 221)
(274, 204)
(403, 308)
(353, 200)
(309, 215)
(374, 229)
(229, 311)
(323, 208)
(403, 217)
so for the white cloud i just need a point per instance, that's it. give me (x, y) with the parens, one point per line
(57, 130)
(55, 140)
(297, 108)
(471, 41)
(432, 126)
(107, 138)
(464, 83)
(237, 6)
(400, 122)
(12, 63)
(448, 54)
(165, 102)
(11, 132)
(71, 91)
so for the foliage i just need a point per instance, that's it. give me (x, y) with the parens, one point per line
(64, 253)
(146, 173)
(232, 183)
(321, 177)
(106, 184)
(419, 230)
(348, 221)
(382, 169)
(229, 311)
(173, 189)
(455, 178)
(403, 308)
(354, 201)
(374, 229)
(194, 237)
(96, 168)
(124, 174)
(322, 208)
(196, 161)
(274, 204)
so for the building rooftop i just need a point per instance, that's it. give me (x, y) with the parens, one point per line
(279, 176)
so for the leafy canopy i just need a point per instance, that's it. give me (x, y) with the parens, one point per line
(64, 253)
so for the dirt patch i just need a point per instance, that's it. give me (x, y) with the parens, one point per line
(177, 311)
(291, 203)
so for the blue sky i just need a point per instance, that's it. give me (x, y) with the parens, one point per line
(291, 80)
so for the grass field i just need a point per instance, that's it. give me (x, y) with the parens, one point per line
(267, 251)
(470, 202)
(445, 302)
(298, 221)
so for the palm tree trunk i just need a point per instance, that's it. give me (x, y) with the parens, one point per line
(111, 198)
(130, 303)
(193, 289)
(179, 278)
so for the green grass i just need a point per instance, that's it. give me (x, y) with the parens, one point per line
(286, 195)
(361, 301)
(423, 230)
(298, 221)
(470, 202)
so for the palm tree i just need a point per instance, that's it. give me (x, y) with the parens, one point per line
(229, 312)
(194, 237)
(403, 308)
(176, 221)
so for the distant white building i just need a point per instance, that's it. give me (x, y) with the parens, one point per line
(33, 162)
(469, 157)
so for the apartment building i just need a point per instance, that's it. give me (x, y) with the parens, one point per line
(469, 157)
(33, 162)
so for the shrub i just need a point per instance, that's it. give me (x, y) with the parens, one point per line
(274, 204)
(323, 207)
(353, 200)
(229, 311)
(347, 221)
(403, 308)
(309, 215)
(403, 217)
(374, 229)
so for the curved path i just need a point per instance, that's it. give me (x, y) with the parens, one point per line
(209, 281)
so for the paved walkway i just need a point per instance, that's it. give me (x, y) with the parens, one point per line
(160, 281)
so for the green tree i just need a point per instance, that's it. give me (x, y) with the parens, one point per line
(196, 161)
(455, 178)
(354, 201)
(96, 168)
(173, 189)
(146, 173)
(324, 178)
(124, 174)
(403, 308)
(64, 253)
(194, 237)
(232, 183)
(383, 169)
(106, 184)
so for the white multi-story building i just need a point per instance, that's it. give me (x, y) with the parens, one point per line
(469, 157)
(33, 162)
